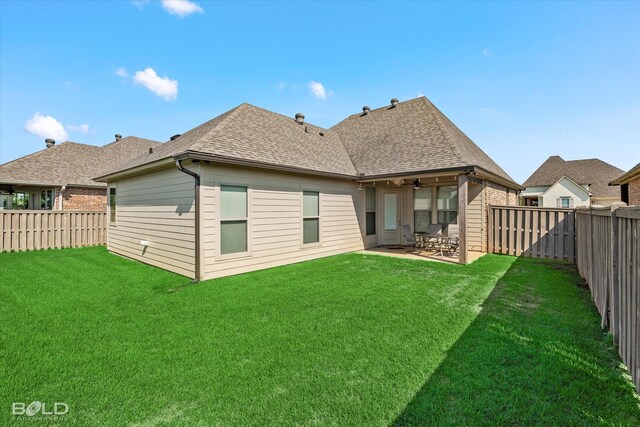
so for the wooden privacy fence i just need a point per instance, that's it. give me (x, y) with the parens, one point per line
(24, 230)
(532, 232)
(609, 260)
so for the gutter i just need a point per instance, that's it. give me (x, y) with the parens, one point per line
(196, 177)
(216, 158)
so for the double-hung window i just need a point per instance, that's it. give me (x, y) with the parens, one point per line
(46, 199)
(565, 202)
(422, 205)
(447, 205)
(310, 217)
(370, 207)
(233, 219)
(112, 205)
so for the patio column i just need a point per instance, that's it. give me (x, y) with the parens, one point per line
(463, 199)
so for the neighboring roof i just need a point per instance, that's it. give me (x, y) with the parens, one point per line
(634, 172)
(569, 179)
(254, 134)
(413, 136)
(594, 172)
(71, 163)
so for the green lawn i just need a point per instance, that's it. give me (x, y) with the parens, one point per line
(348, 340)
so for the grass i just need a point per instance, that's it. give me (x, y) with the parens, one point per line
(346, 340)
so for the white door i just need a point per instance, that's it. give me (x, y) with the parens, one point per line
(391, 229)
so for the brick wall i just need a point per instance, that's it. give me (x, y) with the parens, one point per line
(495, 194)
(634, 192)
(83, 199)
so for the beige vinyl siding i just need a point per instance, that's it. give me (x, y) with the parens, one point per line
(157, 207)
(475, 218)
(275, 219)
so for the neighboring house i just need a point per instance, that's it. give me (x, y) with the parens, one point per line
(253, 189)
(560, 183)
(60, 176)
(629, 184)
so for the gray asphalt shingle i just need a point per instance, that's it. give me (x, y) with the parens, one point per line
(70, 163)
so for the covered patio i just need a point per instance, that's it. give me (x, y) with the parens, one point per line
(451, 200)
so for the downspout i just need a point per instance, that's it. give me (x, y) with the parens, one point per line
(196, 178)
(64, 187)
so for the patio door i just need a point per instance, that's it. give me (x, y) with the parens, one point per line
(391, 229)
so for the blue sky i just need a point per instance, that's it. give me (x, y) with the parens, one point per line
(523, 80)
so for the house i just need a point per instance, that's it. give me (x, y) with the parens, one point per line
(629, 183)
(60, 176)
(560, 183)
(253, 189)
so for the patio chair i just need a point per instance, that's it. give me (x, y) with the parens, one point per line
(411, 238)
(451, 245)
(432, 238)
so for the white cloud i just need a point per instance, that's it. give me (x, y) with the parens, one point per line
(282, 85)
(181, 8)
(318, 90)
(420, 94)
(140, 4)
(80, 128)
(122, 72)
(486, 52)
(161, 86)
(46, 127)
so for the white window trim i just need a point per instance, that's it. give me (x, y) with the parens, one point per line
(53, 198)
(431, 211)
(570, 198)
(302, 218)
(457, 210)
(218, 221)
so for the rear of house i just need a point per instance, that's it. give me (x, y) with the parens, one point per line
(253, 189)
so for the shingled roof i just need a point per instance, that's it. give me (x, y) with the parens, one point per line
(253, 134)
(627, 176)
(594, 172)
(412, 136)
(71, 163)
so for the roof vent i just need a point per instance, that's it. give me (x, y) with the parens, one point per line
(365, 110)
(50, 142)
(299, 118)
(118, 137)
(394, 102)
(150, 150)
(177, 135)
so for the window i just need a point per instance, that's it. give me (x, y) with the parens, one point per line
(112, 205)
(370, 207)
(233, 219)
(20, 201)
(46, 199)
(565, 202)
(422, 205)
(447, 205)
(310, 217)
